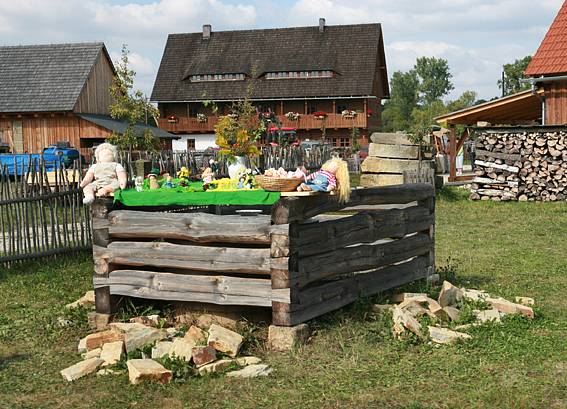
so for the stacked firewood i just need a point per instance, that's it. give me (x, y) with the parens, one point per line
(524, 165)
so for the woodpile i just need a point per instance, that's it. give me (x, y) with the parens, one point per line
(522, 165)
(389, 156)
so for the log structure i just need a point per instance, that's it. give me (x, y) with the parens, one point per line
(389, 156)
(524, 164)
(295, 261)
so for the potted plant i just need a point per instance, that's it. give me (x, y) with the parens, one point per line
(348, 113)
(172, 119)
(201, 118)
(293, 116)
(236, 134)
(320, 115)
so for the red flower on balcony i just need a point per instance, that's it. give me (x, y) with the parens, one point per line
(172, 119)
(319, 115)
(369, 112)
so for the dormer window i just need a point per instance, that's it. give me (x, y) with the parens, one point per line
(216, 77)
(298, 74)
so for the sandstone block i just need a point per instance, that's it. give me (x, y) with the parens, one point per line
(81, 369)
(182, 348)
(449, 294)
(203, 355)
(215, 367)
(95, 353)
(446, 336)
(488, 315)
(161, 349)
(247, 360)
(508, 307)
(373, 179)
(87, 300)
(112, 352)
(285, 338)
(147, 370)
(98, 339)
(251, 371)
(382, 150)
(224, 340)
(196, 335)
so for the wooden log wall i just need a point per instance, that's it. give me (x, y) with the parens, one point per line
(329, 262)
(521, 164)
(298, 262)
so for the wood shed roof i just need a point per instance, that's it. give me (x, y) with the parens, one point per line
(44, 78)
(514, 109)
(355, 53)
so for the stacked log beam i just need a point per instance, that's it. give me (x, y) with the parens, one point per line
(389, 156)
(528, 165)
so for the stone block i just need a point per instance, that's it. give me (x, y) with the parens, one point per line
(215, 367)
(224, 340)
(449, 294)
(161, 349)
(203, 355)
(182, 348)
(196, 335)
(112, 352)
(81, 369)
(147, 370)
(382, 150)
(445, 336)
(373, 179)
(286, 338)
(251, 371)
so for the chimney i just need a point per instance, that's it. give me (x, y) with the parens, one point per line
(321, 25)
(206, 31)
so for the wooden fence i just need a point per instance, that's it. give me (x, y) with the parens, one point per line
(41, 213)
(297, 261)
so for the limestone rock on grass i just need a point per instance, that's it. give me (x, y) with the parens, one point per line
(508, 307)
(81, 369)
(147, 370)
(449, 294)
(203, 355)
(488, 315)
(196, 335)
(112, 352)
(284, 338)
(136, 335)
(87, 300)
(95, 353)
(525, 301)
(224, 340)
(151, 320)
(401, 297)
(402, 319)
(215, 367)
(445, 336)
(475, 295)
(380, 308)
(98, 339)
(182, 348)
(453, 313)
(251, 371)
(161, 349)
(247, 360)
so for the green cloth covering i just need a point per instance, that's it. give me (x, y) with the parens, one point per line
(194, 196)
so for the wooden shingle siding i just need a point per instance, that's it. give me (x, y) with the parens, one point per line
(95, 96)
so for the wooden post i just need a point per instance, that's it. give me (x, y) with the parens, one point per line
(105, 302)
(430, 205)
(305, 108)
(281, 108)
(452, 153)
(334, 106)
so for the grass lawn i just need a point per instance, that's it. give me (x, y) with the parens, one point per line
(352, 360)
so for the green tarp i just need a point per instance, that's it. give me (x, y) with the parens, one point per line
(186, 197)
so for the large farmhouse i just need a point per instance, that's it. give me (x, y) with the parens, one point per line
(56, 92)
(302, 70)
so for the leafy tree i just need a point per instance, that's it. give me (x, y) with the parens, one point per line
(513, 73)
(396, 114)
(132, 107)
(466, 100)
(424, 117)
(434, 79)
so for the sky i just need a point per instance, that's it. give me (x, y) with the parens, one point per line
(476, 37)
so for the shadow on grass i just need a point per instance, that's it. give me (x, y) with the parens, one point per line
(7, 360)
(27, 267)
(452, 194)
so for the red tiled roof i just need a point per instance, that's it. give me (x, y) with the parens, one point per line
(551, 56)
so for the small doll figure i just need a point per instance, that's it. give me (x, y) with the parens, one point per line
(168, 184)
(332, 176)
(139, 183)
(105, 176)
(153, 181)
(208, 176)
(183, 173)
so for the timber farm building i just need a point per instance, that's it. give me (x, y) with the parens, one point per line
(56, 92)
(304, 70)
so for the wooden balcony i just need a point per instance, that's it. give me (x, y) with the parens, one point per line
(305, 122)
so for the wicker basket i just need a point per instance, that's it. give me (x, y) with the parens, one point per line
(277, 184)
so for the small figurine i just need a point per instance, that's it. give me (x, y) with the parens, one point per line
(153, 181)
(139, 183)
(183, 173)
(332, 176)
(208, 176)
(168, 184)
(105, 176)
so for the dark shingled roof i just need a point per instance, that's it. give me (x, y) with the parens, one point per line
(119, 126)
(40, 78)
(354, 52)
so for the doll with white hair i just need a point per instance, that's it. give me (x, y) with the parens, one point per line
(105, 176)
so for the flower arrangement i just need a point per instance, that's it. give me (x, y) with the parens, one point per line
(172, 119)
(369, 112)
(201, 117)
(293, 116)
(319, 115)
(348, 113)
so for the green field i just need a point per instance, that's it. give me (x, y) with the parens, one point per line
(351, 361)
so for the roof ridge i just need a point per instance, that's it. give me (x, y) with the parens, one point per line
(279, 28)
(91, 43)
